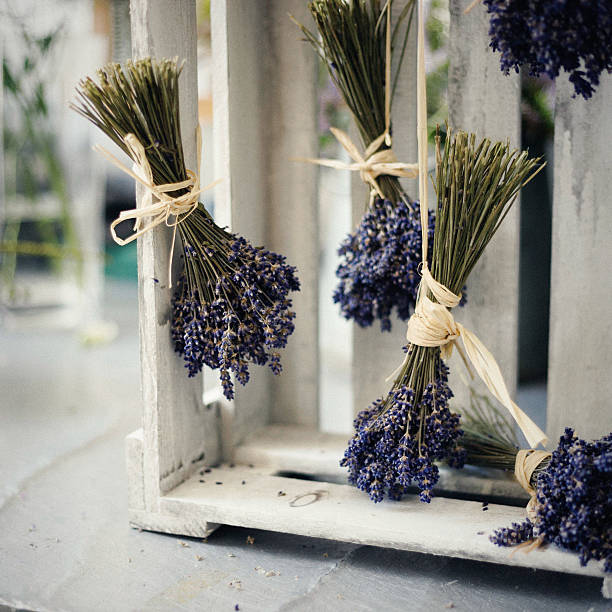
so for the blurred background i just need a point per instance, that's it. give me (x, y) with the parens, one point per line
(68, 304)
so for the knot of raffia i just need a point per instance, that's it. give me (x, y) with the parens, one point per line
(525, 464)
(370, 164)
(156, 205)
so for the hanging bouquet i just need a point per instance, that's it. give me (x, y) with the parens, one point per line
(399, 437)
(232, 306)
(548, 36)
(570, 488)
(378, 269)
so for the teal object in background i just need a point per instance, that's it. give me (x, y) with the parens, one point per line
(121, 262)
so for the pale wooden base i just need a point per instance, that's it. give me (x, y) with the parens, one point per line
(251, 494)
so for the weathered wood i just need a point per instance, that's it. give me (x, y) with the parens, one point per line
(374, 354)
(265, 114)
(239, 150)
(581, 284)
(290, 121)
(485, 101)
(447, 527)
(177, 429)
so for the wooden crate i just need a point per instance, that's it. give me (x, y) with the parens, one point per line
(278, 471)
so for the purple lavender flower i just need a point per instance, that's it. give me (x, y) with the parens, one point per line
(551, 35)
(241, 315)
(384, 454)
(574, 501)
(379, 270)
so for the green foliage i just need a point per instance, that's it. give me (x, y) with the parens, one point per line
(30, 142)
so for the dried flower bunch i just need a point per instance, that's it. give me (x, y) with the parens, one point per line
(573, 487)
(379, 270)
(399, 437)
(379, 259)
(548, 36)
(232, 306)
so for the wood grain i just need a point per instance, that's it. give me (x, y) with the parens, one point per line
(581, 283)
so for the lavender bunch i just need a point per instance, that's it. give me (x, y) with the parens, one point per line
(573, 507)
(573, 487)
(379, 270)
(399, 437)
(553, 35)
(232, 306)
(379, 258)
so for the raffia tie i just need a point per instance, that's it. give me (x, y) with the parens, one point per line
(527, 461)
(156, 206)
(432, 323)
(372, 163)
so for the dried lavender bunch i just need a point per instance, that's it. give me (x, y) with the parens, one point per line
(573, 507)
(548, 36)
(400, 436)
(380, 256)
(232, 306)
(379, 270)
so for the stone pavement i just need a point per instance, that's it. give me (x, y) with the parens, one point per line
(65, 543)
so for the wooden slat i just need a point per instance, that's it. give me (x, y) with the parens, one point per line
(290, 122)
(239, 147)
(177, 429)
(581, 283)
(374, 354)
(447, 527)
(485, 101)
(265, 114)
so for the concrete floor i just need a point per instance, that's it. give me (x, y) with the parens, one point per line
(65, 543)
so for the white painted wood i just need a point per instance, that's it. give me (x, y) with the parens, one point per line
(264, 114)
(581, 335)
(239, 149)
(177, 429)
(290, 121)
(446, 527)
(485, 101)
(374, 354)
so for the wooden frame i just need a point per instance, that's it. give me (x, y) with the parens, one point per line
(270, 467)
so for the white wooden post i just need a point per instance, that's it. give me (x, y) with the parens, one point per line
(485, 101)
(264, 114)
(581, 283)
(374, 354)
(178, 431)
(241, 197)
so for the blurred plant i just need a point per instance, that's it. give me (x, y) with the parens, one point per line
(436, 33)
(30, 146)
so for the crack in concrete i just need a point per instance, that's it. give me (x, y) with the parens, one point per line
(341, 563)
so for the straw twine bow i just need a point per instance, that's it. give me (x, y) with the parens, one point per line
(432, 323)
(155, 203)
(372, 163)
